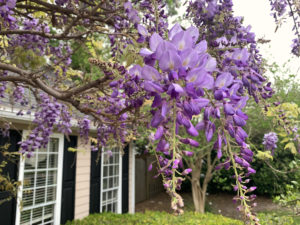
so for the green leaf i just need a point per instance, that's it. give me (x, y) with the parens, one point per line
(72, 149)
(282, 134)
(285, 140)
(264, 155)
(292, 147)
(294, 182)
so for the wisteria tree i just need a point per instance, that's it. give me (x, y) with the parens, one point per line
(208, 70)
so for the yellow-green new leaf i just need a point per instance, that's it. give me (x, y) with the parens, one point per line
(291, 146)
(264, 155)
(285, 140)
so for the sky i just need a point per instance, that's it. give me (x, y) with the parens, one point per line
(257, 13)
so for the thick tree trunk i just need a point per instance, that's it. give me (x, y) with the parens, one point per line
(198, 197)
(198, 189)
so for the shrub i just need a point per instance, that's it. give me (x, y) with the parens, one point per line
(188, 218)
(275, 219)
(155, 218)
(268, 181)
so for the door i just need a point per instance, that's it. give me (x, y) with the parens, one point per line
(39, 195)
(95, 182)
(111, 181)
(8, 208)
(68, 181)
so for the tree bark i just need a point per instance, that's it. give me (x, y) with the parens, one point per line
(198, 196)
(198, 189)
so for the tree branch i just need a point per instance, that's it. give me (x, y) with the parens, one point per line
(62, 36)
(85, 87)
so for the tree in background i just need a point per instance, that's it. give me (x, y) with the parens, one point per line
(208, 70)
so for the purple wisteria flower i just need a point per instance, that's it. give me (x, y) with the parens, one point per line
(270, 140)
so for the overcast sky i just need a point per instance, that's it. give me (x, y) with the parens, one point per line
(257, 14)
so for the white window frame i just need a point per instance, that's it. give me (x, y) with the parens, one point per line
(119, 201)
(57, 210)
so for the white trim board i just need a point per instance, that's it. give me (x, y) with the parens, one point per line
(11, 114)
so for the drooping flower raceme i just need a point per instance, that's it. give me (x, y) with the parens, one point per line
(184, 81)
(270, 140)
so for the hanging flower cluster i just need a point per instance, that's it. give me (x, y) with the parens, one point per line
(185, 81)
(177, 85)
(270, 140)
(6, 12)
(46, 118)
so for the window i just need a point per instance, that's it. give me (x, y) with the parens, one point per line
(111, 164)
(40, 193)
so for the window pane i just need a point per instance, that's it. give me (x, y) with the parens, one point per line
(109, 208)
(105, 171)
(27, 198)
(48, 211)
(40, 195)
(111, 170)
(104, 183)
(42, 161)
(53, 145)
(52, 177)
(41, 179)
(117, 170)
(111, 159)
(28, 179)
(52, 161)
(30, 162)
(51, 194)
(116, 181)
(25, 216)
(37, 215)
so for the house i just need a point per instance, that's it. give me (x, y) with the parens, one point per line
(60, 185)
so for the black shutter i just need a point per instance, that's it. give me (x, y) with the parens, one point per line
(8, 208)
(68, 182)
(95, 182)
(125, 184)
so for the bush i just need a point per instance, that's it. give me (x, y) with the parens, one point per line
(156, 218)
(276, 219)
(268, 182)
(188, 218)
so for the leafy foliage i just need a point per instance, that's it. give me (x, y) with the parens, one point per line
(291, 198)
(156, 218)
(6, 183)
(275, 219)
(284, 161)
(189, 218)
